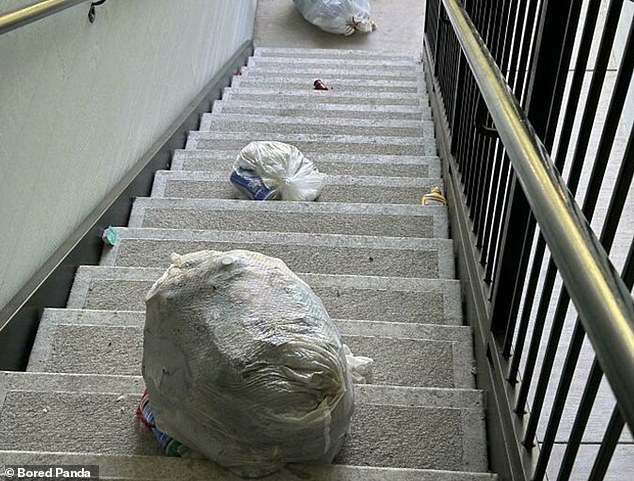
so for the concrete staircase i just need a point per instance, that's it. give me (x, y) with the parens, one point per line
(382, 263)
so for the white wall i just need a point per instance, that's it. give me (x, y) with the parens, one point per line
(80, 103)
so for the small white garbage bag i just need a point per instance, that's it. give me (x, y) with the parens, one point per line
(275, 170)
(337, 16)
(243, 364)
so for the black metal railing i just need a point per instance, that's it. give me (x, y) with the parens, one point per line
(504, 74)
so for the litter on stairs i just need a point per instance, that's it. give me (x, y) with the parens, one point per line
(275, 170)
(435, 196)
(243, 365)
(343, 17)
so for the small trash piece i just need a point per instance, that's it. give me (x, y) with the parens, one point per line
(360, 367)
(275, 170)
(435, 195)
(243, 365)
(110, 236)
(320, 85)
(337, 16)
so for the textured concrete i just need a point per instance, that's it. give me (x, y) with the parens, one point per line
(335, 72)
(320, 218)
(300, 125)
(221, 161)
(315, 253)
(118, 349)
(140, 468)
(339, 53)
(346, 97)
(335, 144)
(328, 111)
(345, 297)
(429, 436)
(366, 189)
(376, 64)
(247, 80)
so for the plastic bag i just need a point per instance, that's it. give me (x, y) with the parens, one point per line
(243, 364)
(337, 16)
(275, 170)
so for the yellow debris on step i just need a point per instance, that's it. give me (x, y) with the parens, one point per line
(435, 195)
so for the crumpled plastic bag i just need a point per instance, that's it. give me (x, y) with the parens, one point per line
(243, 364)
(337, 16)
(266, 170)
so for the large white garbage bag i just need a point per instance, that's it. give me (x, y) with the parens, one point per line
(243, 364)
(267, 170)
(337, 16)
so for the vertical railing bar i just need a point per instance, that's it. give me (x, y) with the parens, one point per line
(474, 100)
(485, 257)
(568, 372)
(608, 445)
(594, 94)
(583, 414)
(596, 178)
(538, 329)
(486, 148)
(503, 193)
(576, 84)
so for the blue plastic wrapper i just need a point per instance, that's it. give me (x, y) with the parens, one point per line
(251, 186)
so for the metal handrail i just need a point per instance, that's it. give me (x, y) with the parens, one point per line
(603, 302)
(23, 16)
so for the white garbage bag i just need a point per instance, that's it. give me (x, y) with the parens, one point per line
(337, 16)
(243, 364)
(275, 170)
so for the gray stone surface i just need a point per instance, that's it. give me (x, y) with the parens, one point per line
(34, 415)
(333, 144)
(301, 125)
(118, 349)
(144, 468)
(350, 64)
(315, 253)
(221, 162)
(365, 189)
(334, 85)
(345, 297)
(328, 111)
(320, 218)
(328, 53)
(344, 97)
(317, 72)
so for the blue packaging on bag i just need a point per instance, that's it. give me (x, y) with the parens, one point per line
(251, 185)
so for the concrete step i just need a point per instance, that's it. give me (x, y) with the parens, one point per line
(376, 65)
(378, 299)
(397, 427)
(315, 253)
(299, 125)
(221, 161)
(327, 144)
(327, 53)
(248, 80)
(326, 111)
(351, 97)
(302, 107)
(105, 342)
(143, 468)
(336, 72)
(340, 188)
(315, 217)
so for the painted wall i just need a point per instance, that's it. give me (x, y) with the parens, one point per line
(80, 103)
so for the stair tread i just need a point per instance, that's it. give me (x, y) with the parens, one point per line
(350, 64)
(249, 80)
(318, 217)
(221, 161)
(440, 428)
(106, 343)
(302, 252)
(295, 52)
(406, 300)
(143, 468)
(297, 107)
